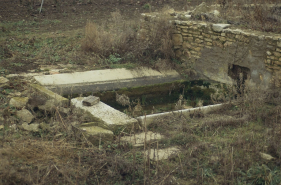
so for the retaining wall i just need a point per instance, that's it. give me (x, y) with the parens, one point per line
(221, 52)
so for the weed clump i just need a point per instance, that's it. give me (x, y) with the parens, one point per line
(118, 41)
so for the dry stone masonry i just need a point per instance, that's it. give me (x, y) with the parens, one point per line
(221, 52)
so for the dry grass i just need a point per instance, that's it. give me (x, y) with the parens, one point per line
(218, 148)
(251, 14)
(258, 15)
(105, 43)
(119, 38)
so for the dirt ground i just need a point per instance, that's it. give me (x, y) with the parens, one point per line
(98, 10)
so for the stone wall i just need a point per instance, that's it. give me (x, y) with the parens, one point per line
(221, 52)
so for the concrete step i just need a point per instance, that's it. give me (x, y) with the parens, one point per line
(102, 80)
(109, 118)
(138, 140)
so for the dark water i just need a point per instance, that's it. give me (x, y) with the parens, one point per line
(159, 98)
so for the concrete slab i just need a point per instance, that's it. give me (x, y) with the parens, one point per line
(50, 94)
(162, 154)
(148, 119)
(96, 134)
(137, 140)
(24, 75)
(111, 118)
(102, 80)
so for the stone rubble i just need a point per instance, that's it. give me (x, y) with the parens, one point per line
(3, 81)
(162, 154)
(137, 140)
(18, 102)
(25, 115)
(34, 127)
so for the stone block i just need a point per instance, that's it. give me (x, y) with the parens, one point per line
(206, 35)
(277, 54)
(216, 43)
(268, 38)
(91, 100)
(227, 43)
(219, 27)
(229, 39)
(190, 39)
(198, 41)
(183, 27)
(196, 33)
(236, 31)
(277, 63)
(185, 34)
(214, 37)
(186, 45)
(177, 39)
(222, 39)
(208, 40)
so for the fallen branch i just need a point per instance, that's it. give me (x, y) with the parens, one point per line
(41, 6)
